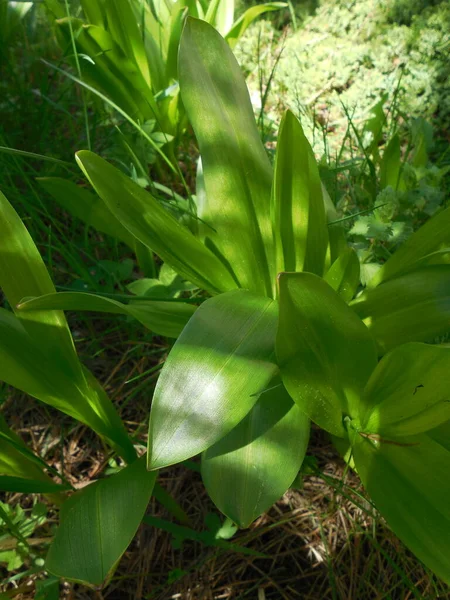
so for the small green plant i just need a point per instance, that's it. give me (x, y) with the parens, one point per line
(127, 52)
(286, 336)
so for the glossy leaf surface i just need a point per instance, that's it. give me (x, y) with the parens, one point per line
(212, 377)
(325, 353)
(236, 169)
(252, 466)
(98, 523)
(163, 318)
(151, 224)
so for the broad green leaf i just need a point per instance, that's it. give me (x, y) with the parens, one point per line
(412, 307)
(409, 391)
(325, 352)
(252, 466)
(252, 13)
(236, 168)
(410, 486)
(300, 228)
(176, 28)
(220, 363)
(98, 523)
(37, 350)
(163, 318)
(151, 224)
(9, 483)
(429, 238)
(343, 275)
(24, 365)
(441, 434)
(86, 206)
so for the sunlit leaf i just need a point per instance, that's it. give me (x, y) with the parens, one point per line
(409, 484)
(325, 352)
(163, 318)
(151, 224)
(411, 307)
(409, 391)
(220, 363)
(236, 169)
(298, 209)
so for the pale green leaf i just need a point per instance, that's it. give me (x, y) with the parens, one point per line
(236, 169)
(298, 210)
(325, 352)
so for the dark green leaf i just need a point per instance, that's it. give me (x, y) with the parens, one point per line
(98, 523)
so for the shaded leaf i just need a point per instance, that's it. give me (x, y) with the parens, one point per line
(252, 466)
(98, 523)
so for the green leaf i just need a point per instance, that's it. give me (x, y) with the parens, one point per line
(252, 13)
(16, 460)
(10, 483)
(236, 168)
(124, 28)
(36, 348)
(163, 318)
(152, 225)
(429, 238)
(409, 391)
(86, 206)
(111, 72)
(344, 274)
(98, 523)
(391, 166)
(300, 227)
(213, 375)
(325, 353)
(252, 466)
(409, 484)
(411, 307)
